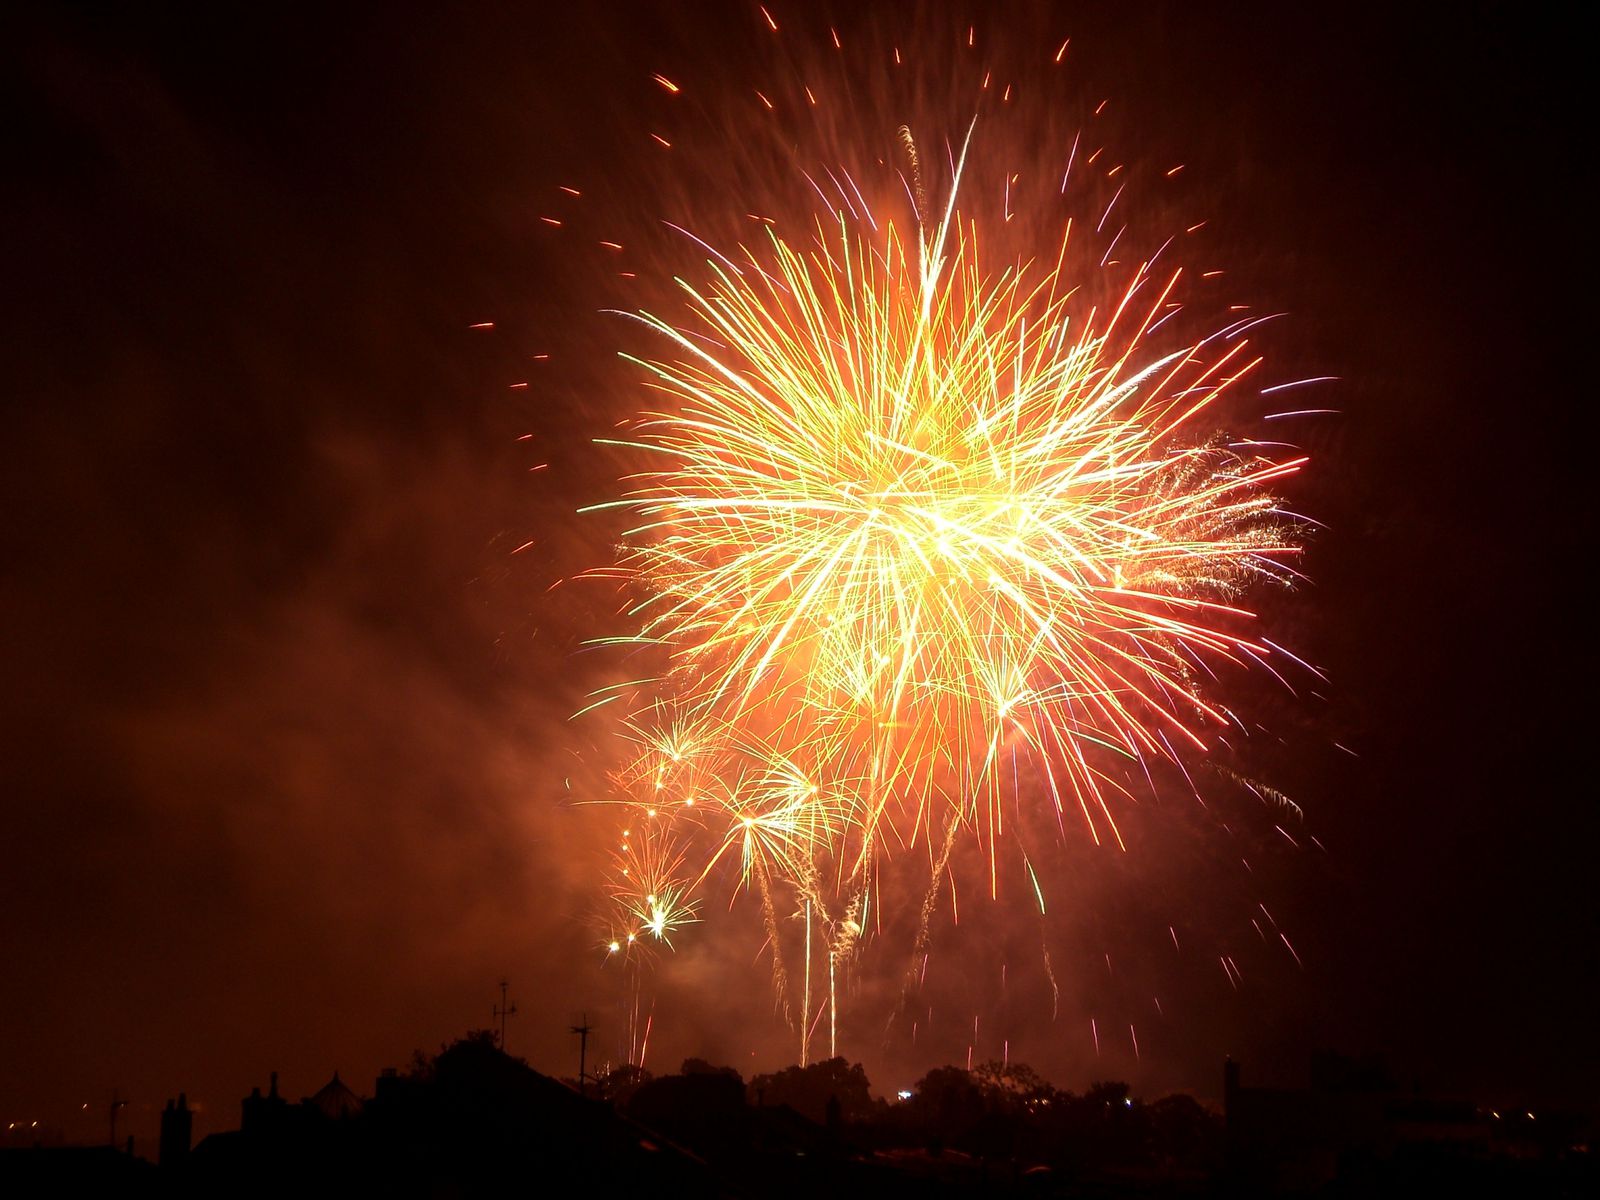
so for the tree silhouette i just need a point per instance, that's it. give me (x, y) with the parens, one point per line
(1012, 1085)
(947, 1104)
(808, 1089)
(1183, 1133)
(617, 1084)
(699, 1066)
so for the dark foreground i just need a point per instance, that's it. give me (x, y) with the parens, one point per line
(472, 1122)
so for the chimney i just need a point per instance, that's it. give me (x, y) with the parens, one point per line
(177, 1131)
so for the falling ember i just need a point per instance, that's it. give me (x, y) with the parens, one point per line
(1290, 945)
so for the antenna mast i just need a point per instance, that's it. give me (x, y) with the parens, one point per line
(582, 1030)
(501, 1012)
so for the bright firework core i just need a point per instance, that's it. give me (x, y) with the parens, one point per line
(930, 550)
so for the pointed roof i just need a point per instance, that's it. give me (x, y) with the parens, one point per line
(335, 1100)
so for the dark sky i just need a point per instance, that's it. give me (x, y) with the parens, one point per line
(283, 732)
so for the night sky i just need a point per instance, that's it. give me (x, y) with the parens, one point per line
(285, 736)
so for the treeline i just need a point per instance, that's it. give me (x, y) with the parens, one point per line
(997, 1111)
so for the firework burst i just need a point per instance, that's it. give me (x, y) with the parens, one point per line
(927, 543)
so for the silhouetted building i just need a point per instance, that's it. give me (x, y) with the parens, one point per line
(460, 1126)
(1352, 1124)
(263, 1115)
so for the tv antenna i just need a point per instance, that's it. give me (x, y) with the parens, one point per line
(582, 1029)
(501, 1012)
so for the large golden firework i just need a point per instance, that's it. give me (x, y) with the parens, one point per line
(914, 527)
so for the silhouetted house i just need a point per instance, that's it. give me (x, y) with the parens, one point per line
(263, 1116)
(275, 1142)
(1296, 1137)
(1350, 1123)
(469, 1122)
